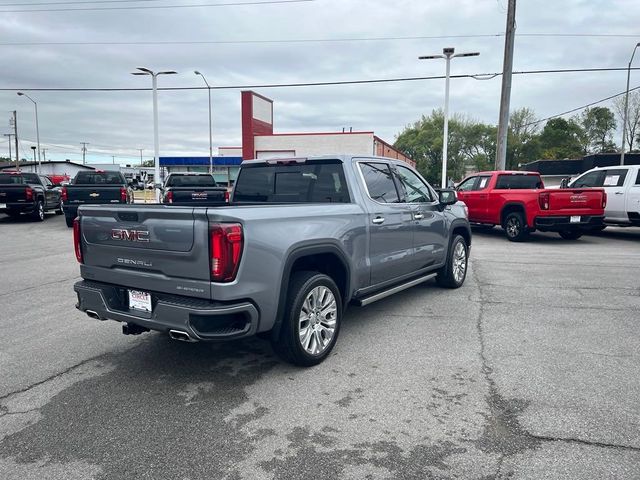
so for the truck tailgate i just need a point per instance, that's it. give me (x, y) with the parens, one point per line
(195, 195)
(80, 194)
(150, 248)
(576, 200)
(13, 193)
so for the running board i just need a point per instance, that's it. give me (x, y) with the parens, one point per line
(386, 293)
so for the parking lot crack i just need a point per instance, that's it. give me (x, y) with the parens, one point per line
(585, 442)
(48, 379)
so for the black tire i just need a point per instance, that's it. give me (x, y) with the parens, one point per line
(289, 346)
(570, 234)
(69, 221)
(38, 212)
(515, 227)
(453, 274)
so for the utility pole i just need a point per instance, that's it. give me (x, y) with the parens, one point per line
(84, 151)
(505, 96)
(9, 135)
(44, 154)
(113, 159)
(15, 137)
(626, 107)
(141, 155)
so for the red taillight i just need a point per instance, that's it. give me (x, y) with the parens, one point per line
(543, 199)
(227, 196)
(28, 192)
(76, 239)
(604, 199)
(226, 243)
(64, 194)
(123, 195)
(169, 197)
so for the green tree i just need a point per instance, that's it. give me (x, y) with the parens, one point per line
(562, 138)
(598, 123)
(523, 139)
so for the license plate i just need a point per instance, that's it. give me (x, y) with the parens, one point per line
(139, 300)
(575, 219)
(3, 205)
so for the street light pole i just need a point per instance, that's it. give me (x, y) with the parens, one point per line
(626, 106)
(156, 140)
(21, 94)
(210, 129)
(447, 54)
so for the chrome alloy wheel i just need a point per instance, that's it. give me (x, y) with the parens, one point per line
(317, 320)
(513, 227)
(40, 212)
(459, 262)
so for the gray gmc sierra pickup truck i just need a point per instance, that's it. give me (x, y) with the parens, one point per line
(300, 240)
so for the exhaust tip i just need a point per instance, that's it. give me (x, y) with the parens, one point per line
(93, 314)
(181, 336)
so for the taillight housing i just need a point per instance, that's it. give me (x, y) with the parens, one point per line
(543, 199)
(169, 197)
(225, 247)
(28, 192)
(227, 196)
(77, 239)
(123, 195)
(64, 195)
(604, 199)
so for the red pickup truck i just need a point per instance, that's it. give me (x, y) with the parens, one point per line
(519, 203)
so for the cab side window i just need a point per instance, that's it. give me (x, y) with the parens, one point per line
(591, 179)
(415, 190)
(379, 181)
(614, 177)
(467, 185)
(483, 182)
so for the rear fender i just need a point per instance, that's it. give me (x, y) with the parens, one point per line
(306, 250)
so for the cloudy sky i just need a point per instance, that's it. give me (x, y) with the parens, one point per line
(119, 123)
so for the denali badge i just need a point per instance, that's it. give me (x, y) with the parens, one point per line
(137, 263)
(129, 235)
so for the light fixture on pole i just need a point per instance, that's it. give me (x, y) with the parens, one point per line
(34, 156)
(447, 54)
(21, 94)
(156, 141)
(626, 106)
(210, 130)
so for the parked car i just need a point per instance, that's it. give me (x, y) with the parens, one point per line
(94, 187)
(519, 203)
(300, 241)
(136, 184)
(193, 189)
(622, 185)
(28, 193)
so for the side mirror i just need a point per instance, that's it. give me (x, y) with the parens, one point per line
(564, 183)
(447, 196)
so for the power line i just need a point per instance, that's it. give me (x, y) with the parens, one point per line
(157, 7)
(75, 2)
(475, 76)
(580, 108)
(305, 40)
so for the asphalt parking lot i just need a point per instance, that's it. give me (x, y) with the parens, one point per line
(530, 371)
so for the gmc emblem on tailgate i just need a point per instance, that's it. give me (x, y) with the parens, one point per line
(129, 235)
(578, 198)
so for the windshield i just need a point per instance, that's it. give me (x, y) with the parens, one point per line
(191, 181)
(308, 183)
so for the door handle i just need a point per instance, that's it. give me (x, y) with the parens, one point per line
(482, 196)
(378, 220)
(619, 193)
(418, 216)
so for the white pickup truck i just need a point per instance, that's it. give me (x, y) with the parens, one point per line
(622, 185)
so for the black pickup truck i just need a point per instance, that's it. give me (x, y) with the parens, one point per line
(193, 189)
(94, 188)
(29, 193)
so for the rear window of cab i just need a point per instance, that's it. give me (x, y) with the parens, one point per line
(518, 182)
